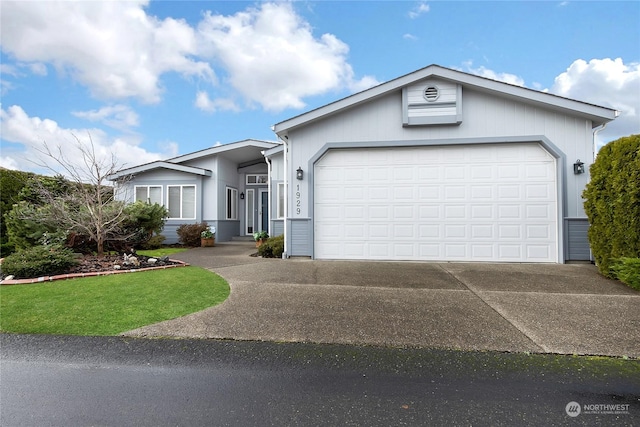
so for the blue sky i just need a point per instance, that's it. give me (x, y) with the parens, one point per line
(150, 80)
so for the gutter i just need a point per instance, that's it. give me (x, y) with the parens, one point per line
(595, 134)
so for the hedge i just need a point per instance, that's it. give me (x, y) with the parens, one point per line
(612, 203)
(38, 261)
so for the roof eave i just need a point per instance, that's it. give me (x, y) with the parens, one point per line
(597, 114)
(223, 148)
(158, 165)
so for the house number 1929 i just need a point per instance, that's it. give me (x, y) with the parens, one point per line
(298, 202)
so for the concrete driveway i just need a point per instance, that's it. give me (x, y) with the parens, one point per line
(567, 309)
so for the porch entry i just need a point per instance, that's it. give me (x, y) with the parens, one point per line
(257, 210)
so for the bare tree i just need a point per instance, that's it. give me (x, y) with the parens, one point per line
(88, 208)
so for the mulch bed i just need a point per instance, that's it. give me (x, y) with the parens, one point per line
(94, 264)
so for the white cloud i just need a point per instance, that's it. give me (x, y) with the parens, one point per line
(272, 57)
(408, 36)
(38, 68)
(118, 116)
(31, 132)
(8, 163)
(364, 83)
(420, 9)
(9, 70)
(112, 47)
(205, 103)
(607, 82)
(268, 53)
(490, 74)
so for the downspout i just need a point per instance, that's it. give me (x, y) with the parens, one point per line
(266, 159)
(595, 134)
(285, 254)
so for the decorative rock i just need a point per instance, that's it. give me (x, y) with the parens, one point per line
(164, 258)
(9, 277)
(116, 267)
(130, 259)
(152, 261)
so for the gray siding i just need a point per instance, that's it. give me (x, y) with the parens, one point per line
(577, 240)
(225, 230)
(277, 227)
(300, 238)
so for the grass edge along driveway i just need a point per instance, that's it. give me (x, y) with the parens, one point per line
(108, 305)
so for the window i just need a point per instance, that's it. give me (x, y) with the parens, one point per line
(253, 179)
(182, 201)
(232, 203)
(148, 194)
(280, 200)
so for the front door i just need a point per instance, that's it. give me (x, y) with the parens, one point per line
(250, 211)
(263, 211)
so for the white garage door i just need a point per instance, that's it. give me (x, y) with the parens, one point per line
(455, 203)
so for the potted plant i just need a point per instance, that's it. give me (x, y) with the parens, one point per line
(208, 237)
(260, 237)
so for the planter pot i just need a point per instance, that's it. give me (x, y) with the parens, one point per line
(207, 242)
(259, 242)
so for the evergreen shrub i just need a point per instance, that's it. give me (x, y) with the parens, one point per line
(627, 270)
(273, 247)
(38, 261)
(612, 203)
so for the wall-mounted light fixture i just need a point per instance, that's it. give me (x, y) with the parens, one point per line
(578, 167)
(299, 173)
(242, 196)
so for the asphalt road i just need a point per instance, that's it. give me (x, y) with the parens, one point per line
(80, 381)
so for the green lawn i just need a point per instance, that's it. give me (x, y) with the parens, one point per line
(161, 252)
(108, 305)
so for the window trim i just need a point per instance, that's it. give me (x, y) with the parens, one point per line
(195, 197)
(280, 195)
(148, 187)
(234, 207)
(257, 175)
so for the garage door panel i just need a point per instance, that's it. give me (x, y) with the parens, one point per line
(354, 213)
(377, 193)
(482, 252)
(455, 172)
(404, 231)
(379, 231)
(539, 192)
(404, 193)
(354, 193)
(428, 232)
(481, 192)
(462, 203)
(483, 231)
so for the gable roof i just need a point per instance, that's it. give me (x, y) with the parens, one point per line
(597, 114)
(158, 165)
(238, 151)
(225, 148)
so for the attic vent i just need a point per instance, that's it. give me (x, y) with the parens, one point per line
(431, 93)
